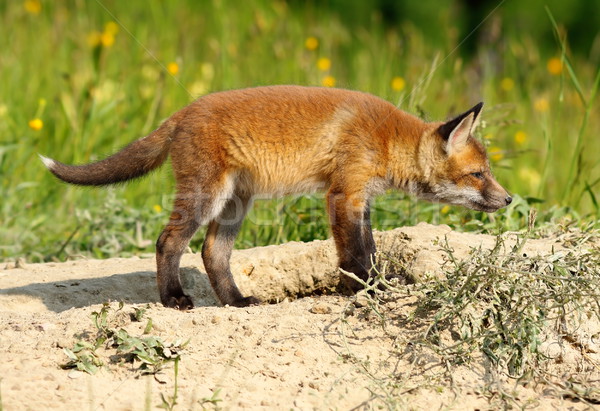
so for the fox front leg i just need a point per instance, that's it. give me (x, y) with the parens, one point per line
(351, 226)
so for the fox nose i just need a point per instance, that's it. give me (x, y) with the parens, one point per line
(508, 200)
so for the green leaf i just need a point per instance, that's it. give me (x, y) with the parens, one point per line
(148, 327)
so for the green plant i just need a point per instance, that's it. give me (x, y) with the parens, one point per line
(213, 400)
(501, 304)
(83, 357)
(168, 403)
(149, 351)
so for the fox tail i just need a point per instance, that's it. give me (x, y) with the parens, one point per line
(133, 161)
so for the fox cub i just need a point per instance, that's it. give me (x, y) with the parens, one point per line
(229, 146)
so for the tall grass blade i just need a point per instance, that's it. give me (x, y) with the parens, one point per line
(576, 159)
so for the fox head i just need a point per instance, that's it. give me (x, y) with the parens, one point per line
(457, 168)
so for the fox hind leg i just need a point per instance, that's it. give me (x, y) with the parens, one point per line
(170, 246)
(191, 209)
(216, 251)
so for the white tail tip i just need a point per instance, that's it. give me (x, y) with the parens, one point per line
(48, 162)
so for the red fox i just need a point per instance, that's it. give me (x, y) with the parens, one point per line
(229, 146)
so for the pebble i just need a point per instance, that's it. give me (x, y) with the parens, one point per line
(45, 326)
(75, 374)
(49, 377)
(350, 310)
(320, 308)
(361, 299)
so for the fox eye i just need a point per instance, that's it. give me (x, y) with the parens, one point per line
(478, 175)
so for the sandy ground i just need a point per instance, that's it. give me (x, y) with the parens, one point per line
(321, 351)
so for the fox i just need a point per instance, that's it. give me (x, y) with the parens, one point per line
(229, 147)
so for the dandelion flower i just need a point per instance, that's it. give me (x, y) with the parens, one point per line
(328, 81)
(311, 43)
(107, 39)
(398, 83)
(111, 27)
(324, 64)
(541, 105)
(157, 208)
(36, 124)
(33, 6)
(445, 209)
(520, 137)
(173, 68)
(496, 154)
(507, 84)
(94, 39)
(554, 66)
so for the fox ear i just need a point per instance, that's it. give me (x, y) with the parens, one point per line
(457, 131)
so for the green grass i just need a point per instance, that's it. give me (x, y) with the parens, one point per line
(95, 98)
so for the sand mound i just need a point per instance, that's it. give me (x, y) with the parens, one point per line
(300, 353)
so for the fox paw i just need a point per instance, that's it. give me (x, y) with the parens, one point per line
(182, 302)
(246, 302)
(351, 286)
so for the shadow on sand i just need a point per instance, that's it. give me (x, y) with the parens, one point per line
(134, 288)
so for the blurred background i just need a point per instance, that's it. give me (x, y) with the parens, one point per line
(80, 79)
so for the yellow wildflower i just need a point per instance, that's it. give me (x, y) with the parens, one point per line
(111, 27)
(33, 6)
(94, 39)
(507, 84)
(157, 208)
(173, 68)
(520, 137)
(541, 104)
(107, 39)
(554, 66)
(36, 124)
(324, 64)
(445, 209)
(311, 43)
(496, 153)
(398, 83)
(328, 81)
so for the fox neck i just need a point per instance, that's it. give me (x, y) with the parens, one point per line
(410, 154)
